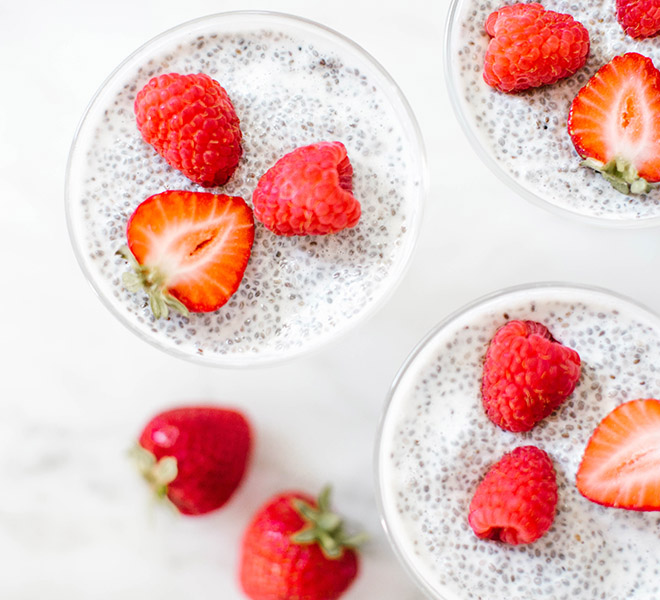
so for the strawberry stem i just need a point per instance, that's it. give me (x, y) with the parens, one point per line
(158, 473)
(323, 527)
(153, 282)
(621, 174)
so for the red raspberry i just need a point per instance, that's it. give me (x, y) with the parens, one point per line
(516, 501)
(308, 192)
(532, 46)
(527, 374)
(192, 124)
(639, 18)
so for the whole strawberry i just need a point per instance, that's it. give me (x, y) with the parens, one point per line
(195, 456)
(614, 123)
(531, 46)
(308, 192)
(516, 501)
(192, 124)
(296, 549)
(188, 250)
(639, 18)
(527, 374)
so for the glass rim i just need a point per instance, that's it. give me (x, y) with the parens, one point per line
(495, 167)
(409, 361)
(418, 149)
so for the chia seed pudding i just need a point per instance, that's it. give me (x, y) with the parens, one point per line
(523, 137)
(436, 444)
(292, 83)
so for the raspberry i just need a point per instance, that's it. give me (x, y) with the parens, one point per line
(532, 46)
(192, 124)
(308, 192)
(639, 18)
(516, 502)
(527, 374)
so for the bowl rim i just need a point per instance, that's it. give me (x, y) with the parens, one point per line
(494, 166)
(411, 124)
(410, 360)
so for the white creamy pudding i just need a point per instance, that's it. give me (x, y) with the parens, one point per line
(523, 137)
(436, 444)
(292, 83)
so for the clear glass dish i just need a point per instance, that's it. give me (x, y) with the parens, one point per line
(435, 444)
(292, 82)
(523, 137)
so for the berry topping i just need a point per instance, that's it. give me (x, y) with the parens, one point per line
(189, 250)
(527, 375)
(614, 123)
(532, 46)
(296, 548)
(192, 124)
(516, 501)
(195, 456)
(621, 463)
(639, 18)
(308, 192)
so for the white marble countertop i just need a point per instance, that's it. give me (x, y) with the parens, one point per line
(76, 386)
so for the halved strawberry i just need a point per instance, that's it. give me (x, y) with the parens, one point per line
(614, 123)
(189, 250)
(621, 463)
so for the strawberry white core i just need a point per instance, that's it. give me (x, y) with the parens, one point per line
(630, 126)
(185, 250)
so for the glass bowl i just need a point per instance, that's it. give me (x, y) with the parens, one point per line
(292, 82)
(435, 444)
(523, 137)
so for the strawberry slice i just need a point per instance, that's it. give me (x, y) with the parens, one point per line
(614, 123)
(621, 463)
(189, 250)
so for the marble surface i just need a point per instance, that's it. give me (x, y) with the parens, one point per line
(76, 386)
